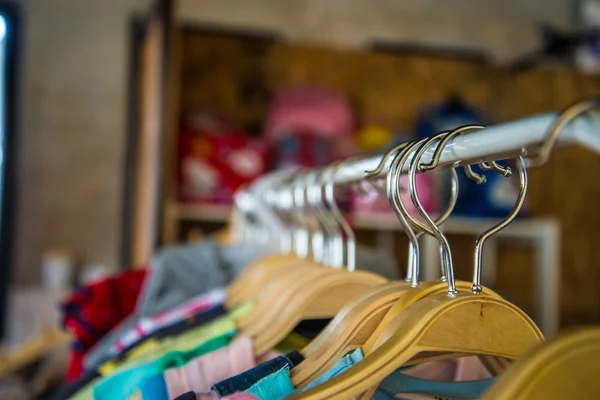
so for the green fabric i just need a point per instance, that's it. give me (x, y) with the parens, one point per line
(274, 386)
(126, 381)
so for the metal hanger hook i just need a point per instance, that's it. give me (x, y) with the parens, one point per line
(399, 166)
(445, 252)
(522, 170)
(339, 218)
(566, 116)
(332, 232)
(394, 193)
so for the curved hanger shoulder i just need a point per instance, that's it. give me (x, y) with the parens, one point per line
(322, 298)
(253, 277)
(348, 330)
(281, 286)
(459, 323)
(360, 324)
(563, 368)
(390, 324)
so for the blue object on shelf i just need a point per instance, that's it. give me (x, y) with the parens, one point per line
(497, 197)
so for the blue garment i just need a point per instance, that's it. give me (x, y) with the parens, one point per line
(154, 388)
(246, 380)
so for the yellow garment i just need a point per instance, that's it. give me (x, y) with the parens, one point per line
(145, 347)
(292, 342)
(86, 392)
(153, 349)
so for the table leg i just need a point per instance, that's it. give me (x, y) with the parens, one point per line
(548, 280)
(430, 258)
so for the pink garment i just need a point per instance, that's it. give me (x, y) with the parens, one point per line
(202, 372)
(456, 370)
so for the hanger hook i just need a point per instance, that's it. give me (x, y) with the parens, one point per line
(332, 233)
(566, 116)
(339, 218)
(399, 165)
(445, 252)
(301, 233)
(494, 166)
(522, 170)
(390, 188)
(477, 178)
(394, 193)
(317, 235)
(385, 163)
(437, 154)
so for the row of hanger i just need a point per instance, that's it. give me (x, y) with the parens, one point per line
(395, 323)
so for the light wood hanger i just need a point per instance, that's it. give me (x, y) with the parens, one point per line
(565, 367)
(282, 287)
(255, 276)
(390, 325)
(357, 323)
(323, 298)
(455, 323)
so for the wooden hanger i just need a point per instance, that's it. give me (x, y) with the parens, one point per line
(283, 284)
(443, 323)
(391, 324)
(256, 275)
(324, 297)
(358, 323)
(562, 368)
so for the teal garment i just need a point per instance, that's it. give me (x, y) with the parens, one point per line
(124, 383)
(398, 382)
(154, 388)
(345, 363)
(273, 387)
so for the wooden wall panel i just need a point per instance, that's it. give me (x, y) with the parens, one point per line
(239, 75)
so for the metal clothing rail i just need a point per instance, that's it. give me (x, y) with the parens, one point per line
(507, 140)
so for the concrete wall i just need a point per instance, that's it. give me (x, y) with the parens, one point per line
(73, 130)
(74, 100)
